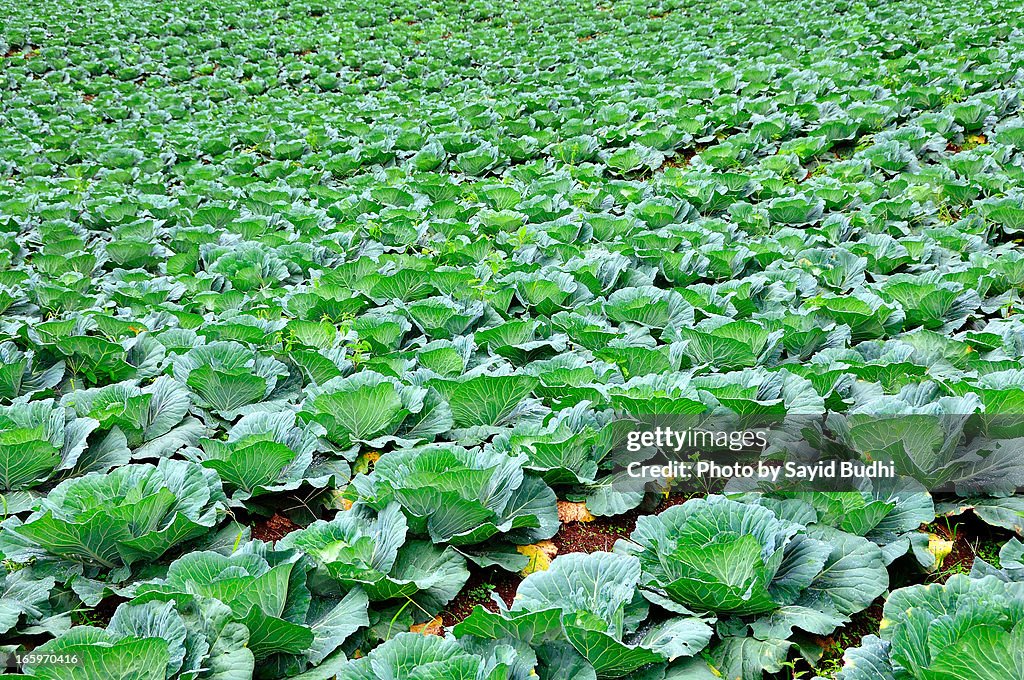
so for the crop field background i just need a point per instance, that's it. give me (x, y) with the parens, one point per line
(318, 320)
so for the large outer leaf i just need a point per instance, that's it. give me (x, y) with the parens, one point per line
(272, 602)
(154, 620)
(413, 655)
(224, 391)
(870, 661)
(24, 593)
(272, 635)
(609, 656)
(599, 583)
(95, 358)
(127, 659)
(46, 421)
(747, 658)
(333, 621)
(561, 661)
(982, 653)
(852, 577)
(361, 407)
(679, 637)
(248, 467)
(25, 459)
(533, 627)
(94, 540)
(485, 399)
(1007, 512)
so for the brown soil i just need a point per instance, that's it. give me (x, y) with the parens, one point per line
(587, 537)
(477, 591)
(507, 588)
(595, 536)
(601, 534)
(104, 611)
(860, 626)
(971, 538)
(32, 51)
(274, 528)
(959, 559)
(681, 158)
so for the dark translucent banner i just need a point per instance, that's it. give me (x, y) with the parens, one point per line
(973, 454)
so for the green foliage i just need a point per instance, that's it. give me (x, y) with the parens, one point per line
(396, 272)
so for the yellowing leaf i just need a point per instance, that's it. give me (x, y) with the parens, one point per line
(573, 512)
(939, 547)
(336, 500)
(433, 627)
(365, 461)
(540, 555)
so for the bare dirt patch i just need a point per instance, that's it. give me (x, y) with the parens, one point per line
(273, 528)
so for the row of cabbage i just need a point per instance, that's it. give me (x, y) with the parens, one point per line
(668, 603)
(436, 86)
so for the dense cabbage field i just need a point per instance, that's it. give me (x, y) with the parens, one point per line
(318, 322)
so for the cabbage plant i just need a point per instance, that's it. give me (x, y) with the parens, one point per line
(28, 608)
(428, 656)
(964, 628)
(359, 550)
(363, 408)
(591, 602)
(227, 376)
(132, 514)
(754, 570)
(248, 615)
(41, 443)
(461, 496)
(21, 375)
(153, 420)
(269, 453)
